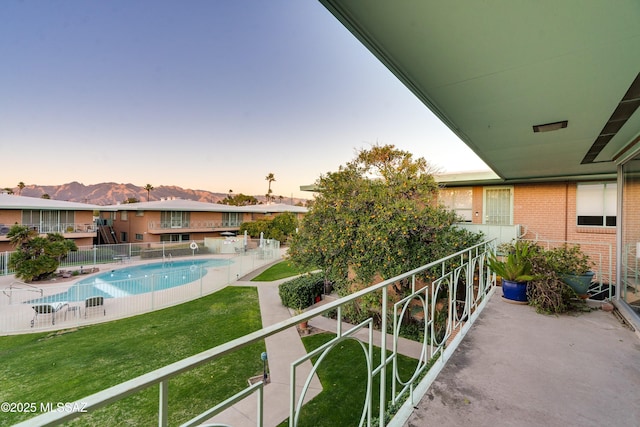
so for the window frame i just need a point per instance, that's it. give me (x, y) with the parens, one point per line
(608, 201)
(485, 203)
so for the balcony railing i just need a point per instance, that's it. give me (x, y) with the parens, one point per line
(450, 293)
(602, 256)
(163, 225)
(62, 227)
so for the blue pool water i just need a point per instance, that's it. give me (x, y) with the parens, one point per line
(136, 280)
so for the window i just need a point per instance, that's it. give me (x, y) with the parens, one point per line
(596, 204)
(46, 221)
(459, 200)
(123, 236)
(174, 219)
(174, 238)
(139, 213)
(124, 215)
(231, 219)
(31, 218)
(139, 236)
(498, 206)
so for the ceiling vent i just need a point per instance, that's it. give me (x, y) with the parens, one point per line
(548, 127)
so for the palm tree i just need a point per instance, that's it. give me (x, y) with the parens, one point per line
(148, 187)
(20, 187)
(20, 234)
(270, 178)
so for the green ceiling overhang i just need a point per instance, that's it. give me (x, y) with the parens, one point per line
(492, 70)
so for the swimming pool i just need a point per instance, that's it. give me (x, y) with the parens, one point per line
(134, 280)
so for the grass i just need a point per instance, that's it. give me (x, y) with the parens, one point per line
(343, 377)
(278, 271)
(69, 365)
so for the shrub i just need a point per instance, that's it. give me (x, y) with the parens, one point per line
(37, 257)
(547, 292)
(302, 291)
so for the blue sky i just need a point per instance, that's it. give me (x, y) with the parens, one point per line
(210, 95)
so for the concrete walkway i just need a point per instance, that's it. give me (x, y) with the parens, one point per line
(283, 349)
(519, 368)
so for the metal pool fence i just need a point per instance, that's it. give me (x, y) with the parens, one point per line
(87, 256)
(29, 307)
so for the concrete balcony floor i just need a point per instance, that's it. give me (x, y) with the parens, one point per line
(519, 368)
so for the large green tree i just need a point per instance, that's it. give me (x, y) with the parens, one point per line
(37, 257)
(377, 216)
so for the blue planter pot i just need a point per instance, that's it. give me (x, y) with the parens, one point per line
(579, 283)
(515, 291)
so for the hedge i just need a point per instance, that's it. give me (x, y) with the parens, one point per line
(302, 291)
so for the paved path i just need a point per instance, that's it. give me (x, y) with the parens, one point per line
(284, 348)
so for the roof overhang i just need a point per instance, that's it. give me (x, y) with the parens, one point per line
(23, 202)
(493, 70)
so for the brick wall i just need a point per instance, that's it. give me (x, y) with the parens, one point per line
(547, 213)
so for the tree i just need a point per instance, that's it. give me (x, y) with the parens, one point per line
(45, 196)
(279, 228)
(20, 235)
(271, 178)
(376, 217)
(238, 200)
(37, 257)
(148, 187)
(8, 190)
(131, 200)
(20, 188)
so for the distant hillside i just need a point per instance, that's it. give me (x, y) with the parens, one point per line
(111, 193)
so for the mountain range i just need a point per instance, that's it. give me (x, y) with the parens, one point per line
(111, 193)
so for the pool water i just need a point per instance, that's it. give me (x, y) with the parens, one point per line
(136, 280)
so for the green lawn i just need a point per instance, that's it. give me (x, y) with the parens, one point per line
(278, 271)
(63, 367)
(343, 377)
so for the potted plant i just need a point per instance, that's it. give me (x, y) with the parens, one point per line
(515, 269)
(573, 266)
(304, 325)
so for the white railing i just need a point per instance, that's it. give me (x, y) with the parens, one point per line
(62, 227)
(163, 225)
(502, 233)
(96, 255)
(37, 307)
(450, 292)
(602, 256)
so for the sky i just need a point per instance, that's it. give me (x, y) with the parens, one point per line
(208, 95)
